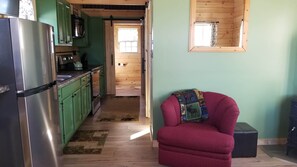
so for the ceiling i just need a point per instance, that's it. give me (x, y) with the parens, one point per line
(114, 8)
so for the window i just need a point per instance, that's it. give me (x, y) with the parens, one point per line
(128, 40)
(27, 10)
(205, 34)
(218, 27)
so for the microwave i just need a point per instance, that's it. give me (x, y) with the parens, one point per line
(78, 26)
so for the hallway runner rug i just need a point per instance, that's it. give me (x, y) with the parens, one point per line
(86, 142)
(123, 109)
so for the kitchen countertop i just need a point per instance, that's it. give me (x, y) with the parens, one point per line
(75, 75)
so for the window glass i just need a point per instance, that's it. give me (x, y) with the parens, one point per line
(203, 34)
(128, 39)
(27, 10)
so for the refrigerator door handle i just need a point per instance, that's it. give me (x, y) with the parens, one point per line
(35, 90)
(4, 88)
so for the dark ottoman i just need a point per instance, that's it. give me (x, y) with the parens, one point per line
(245, 140)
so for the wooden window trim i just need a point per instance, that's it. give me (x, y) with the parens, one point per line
(193, 48)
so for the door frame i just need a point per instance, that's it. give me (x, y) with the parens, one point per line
(147, 56)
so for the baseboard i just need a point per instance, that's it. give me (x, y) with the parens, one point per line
(274, 141)
(155, 143)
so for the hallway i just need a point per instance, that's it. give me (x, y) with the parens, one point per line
(127, 144)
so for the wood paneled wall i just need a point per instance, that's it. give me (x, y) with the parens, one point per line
(228, 13)
(238, 17)
(128, 73)
(218, 11)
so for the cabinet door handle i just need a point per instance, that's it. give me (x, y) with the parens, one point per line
(112, 59)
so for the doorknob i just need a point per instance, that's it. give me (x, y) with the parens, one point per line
(4, 88)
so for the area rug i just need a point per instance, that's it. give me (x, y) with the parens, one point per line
(279, 151)
(120, 109)
(86, 142)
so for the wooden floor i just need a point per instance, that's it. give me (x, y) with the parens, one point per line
(129, 145)
(122, 90)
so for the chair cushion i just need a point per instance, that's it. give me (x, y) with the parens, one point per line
(196, 136)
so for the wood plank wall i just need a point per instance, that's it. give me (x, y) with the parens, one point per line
(228, 13)
(238, 17)
(128, 75)
(221, 11)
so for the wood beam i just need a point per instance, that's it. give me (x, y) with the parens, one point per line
(115, 13)
(108, 2)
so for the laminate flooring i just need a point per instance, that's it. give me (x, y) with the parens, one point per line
(122, 90)
(128, 144)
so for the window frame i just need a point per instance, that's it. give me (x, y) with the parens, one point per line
(127, 41)
(34, 10)
(123, 25)
(193, 48)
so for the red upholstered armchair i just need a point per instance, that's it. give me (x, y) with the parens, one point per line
(204, 144)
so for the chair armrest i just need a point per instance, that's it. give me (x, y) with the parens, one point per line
(171, 111)
(226, 115)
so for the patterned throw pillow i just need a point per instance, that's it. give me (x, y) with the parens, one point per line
(192, 105)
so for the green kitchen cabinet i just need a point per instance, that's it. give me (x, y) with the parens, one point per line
(64, 22)
(58, 14)
(86, 96)
(83, 101)
(67, 118)
(77, 108)
(89, 98)
(70, 109)
(75, 105)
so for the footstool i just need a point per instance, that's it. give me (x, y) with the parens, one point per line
(245, 141)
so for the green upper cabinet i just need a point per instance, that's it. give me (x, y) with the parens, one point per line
(58, 14)
(84, 41)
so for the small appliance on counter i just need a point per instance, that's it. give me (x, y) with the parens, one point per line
(68, 62)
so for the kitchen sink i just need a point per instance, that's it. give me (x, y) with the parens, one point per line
(63, 77)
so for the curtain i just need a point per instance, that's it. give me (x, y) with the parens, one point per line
(214, 34)
(27, 10)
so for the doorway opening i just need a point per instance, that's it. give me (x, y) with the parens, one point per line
(127, 48)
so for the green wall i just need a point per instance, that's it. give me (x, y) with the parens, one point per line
(261, 80)
(96, 47)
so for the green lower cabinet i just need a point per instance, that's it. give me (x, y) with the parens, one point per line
(67, 114)
(75, 105)
(77, 108)
(89, 99)
(84, 100)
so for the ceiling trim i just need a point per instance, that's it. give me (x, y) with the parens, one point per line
(115, 13)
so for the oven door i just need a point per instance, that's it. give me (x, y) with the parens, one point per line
(96, 83)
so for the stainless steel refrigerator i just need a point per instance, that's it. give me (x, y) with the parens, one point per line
(29, 115)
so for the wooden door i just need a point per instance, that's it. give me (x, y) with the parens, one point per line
(127, 46)
(110, 68)
(148, 59)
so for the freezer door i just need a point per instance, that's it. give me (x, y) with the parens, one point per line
(10, 136)
(33, 53)
(41, 137)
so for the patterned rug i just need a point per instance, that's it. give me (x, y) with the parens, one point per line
(86, 142)
(120, 109)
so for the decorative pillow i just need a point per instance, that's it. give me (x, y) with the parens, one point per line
(192, 105)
